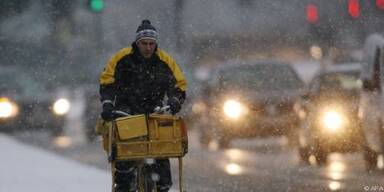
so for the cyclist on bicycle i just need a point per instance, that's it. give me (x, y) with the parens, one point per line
(136, 80)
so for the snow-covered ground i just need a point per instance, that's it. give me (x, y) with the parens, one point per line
(25, 168)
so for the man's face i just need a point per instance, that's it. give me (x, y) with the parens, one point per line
(146, 47)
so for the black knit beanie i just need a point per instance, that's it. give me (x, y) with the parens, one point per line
(146, 31)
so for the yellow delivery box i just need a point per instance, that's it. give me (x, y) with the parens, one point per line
(148, 136)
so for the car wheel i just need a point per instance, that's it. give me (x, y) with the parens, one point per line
(223, 142)
(90, 135)
(293, 137)
(370, 155)
(370, 158)
(304, 154)
(321, 157)
(320, 154)
(205, 139)
(57, 131)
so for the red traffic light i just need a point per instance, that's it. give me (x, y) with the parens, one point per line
(312, 13)
(354, 8)
(380, 4)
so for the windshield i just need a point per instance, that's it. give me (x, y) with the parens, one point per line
(341, 81)
(261, 77)
(19, 84)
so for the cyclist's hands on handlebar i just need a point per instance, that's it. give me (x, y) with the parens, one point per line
(159, 109)
(174, 105)
(107, 113)
(118, 113)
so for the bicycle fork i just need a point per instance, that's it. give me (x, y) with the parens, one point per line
(147, 178)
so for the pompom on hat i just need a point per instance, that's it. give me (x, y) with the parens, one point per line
(146, 31)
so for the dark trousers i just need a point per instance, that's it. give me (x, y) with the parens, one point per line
(126, 173)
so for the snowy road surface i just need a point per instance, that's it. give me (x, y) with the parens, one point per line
(248, 165)
(24, 168)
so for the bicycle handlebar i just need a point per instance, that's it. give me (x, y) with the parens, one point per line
(121, 113)
(158, 109)
(162, 109)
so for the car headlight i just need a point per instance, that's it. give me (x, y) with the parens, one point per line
(7, 108)
(233, 109)
(333, 120)
(61, 106)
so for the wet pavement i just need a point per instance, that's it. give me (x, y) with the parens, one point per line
(250, 165)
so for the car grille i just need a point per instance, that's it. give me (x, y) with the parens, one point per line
(275, 109)
(35, 111)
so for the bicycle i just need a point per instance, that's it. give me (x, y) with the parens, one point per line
(144, 138)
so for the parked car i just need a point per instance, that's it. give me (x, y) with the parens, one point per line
(26, 103)
(329, 110)
(371, 110)
(250, 100)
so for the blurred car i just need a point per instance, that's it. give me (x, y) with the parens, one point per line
(26, 104)
(329, 121)
(371, 111)
(92, 110)
(249, 100)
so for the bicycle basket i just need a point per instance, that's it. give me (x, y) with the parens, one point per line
(161, 136)
(132, 127)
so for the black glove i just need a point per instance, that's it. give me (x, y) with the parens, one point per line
(107, 114)
(174, 105)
